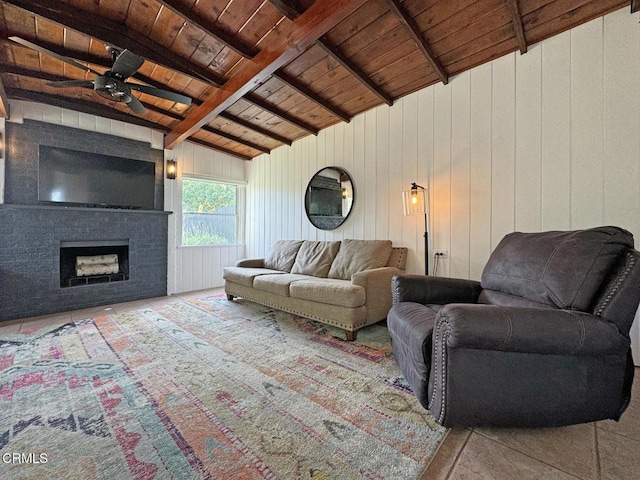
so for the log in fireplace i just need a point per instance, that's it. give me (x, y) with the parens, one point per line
(91, 262)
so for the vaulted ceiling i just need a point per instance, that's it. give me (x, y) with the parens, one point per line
(263, 73)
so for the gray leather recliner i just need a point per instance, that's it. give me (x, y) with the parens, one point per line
(542, 340)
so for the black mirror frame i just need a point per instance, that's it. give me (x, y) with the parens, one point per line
(342, 172)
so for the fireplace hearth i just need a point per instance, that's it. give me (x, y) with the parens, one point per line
(116, 250)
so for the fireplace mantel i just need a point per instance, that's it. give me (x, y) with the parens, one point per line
(13, 206)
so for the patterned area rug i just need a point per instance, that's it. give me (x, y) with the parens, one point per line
(208, 389)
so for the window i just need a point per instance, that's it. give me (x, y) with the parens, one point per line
(209, 212)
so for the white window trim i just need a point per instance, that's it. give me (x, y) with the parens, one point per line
(240, 209)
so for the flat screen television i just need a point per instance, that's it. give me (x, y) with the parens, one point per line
(93, 179)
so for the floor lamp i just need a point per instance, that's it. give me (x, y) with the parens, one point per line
(414, 202)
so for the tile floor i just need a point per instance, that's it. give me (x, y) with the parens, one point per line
(596, 451)
(604, 450)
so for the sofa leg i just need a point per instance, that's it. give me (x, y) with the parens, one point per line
(351, 335)
(230, 297)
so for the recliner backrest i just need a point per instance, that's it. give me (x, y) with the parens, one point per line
(561, 269)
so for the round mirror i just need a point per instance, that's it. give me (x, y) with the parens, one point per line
(329, 198)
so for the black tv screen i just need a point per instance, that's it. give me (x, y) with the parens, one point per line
(71, 176)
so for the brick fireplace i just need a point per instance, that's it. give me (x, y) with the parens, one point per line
(36, 239)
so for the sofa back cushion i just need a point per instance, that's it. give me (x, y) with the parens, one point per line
(564, 269)
(282, 255)
(357, 255)
(315, 258)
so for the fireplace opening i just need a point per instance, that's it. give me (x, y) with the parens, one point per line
(91, 262)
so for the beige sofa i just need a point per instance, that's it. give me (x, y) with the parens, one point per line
(345, 283)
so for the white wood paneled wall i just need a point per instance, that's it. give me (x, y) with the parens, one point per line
(541, 141)
(70, 118)
(197, 268)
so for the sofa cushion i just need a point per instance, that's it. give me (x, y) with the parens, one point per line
(278, 284)
(331, 291)
(357, 255)
(315, 258)
(282, 255)
(244, 275)
(564, 269)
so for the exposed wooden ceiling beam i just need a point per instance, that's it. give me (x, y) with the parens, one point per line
(516, 20)
(354, 70)
(255, 128)
(4, 102)
(25, 72)
(292, 11)
(210, 29)
(220, 149)
(236, 139)
(635, 6)
(287, 117)
(91, 108)
(417, 37)
(116, 34)
(310, 95)
(289, 8)
(212, 146)
(209, 129)
(283, 45)
(161, 111)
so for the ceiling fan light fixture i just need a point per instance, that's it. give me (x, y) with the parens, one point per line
(111, 84)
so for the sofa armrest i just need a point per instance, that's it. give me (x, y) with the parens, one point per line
(251, 263)
(526, 330)
(377, 285)
(434, 290)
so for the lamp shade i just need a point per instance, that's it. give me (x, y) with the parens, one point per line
(414, 201)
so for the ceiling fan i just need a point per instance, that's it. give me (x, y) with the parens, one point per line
(111, 84)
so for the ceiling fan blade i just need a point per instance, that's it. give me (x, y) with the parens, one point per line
(33, 46)
(135, 105)
(72, 83)
(156, 92)
(126, 64)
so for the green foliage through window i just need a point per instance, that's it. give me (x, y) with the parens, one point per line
(209, 212)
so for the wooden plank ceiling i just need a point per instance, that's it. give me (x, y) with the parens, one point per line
(258, 71)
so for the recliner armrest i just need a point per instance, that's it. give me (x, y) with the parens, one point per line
(251, 263)
(434, 290)
(526, 330)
